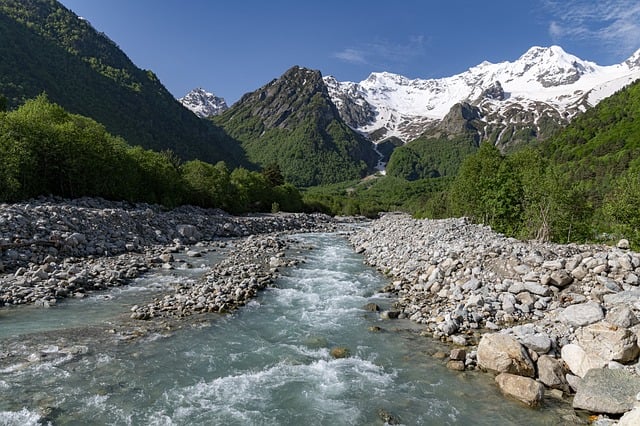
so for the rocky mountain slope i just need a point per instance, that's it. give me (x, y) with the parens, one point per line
(543, 88)
(292, 122)
(204, 104)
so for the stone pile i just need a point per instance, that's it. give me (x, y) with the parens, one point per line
(562, 316)
(249, 267)
(53, 248)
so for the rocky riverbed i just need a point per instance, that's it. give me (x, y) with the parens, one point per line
(52, 249)
(547, 319)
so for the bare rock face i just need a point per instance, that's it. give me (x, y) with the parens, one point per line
(610, 342)
(504, 354)
(524, 389)
(607, 391)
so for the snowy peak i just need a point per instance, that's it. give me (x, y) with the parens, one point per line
(634, 60)
(552, 66)
(204, 104)
(544, 82)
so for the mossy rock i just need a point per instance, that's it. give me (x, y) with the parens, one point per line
(340, 352)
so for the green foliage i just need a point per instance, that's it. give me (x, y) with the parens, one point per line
(487, 190)
(45, 150)
(378, 194)
(430, 157)
(46, 48)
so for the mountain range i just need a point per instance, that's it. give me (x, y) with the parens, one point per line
(544, 84)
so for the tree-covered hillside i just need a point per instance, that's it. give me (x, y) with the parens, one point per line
(292, 122)
(45, 150)
(46, 48)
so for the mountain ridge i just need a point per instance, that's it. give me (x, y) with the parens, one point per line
(542, 79)
(292, 122)
(48, 49)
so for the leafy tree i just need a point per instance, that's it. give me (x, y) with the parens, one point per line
(487, 190)
(273, 174)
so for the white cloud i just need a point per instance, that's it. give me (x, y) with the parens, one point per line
(351, 55)
(615, 24)
(382, 52)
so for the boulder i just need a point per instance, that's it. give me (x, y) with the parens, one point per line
(551, 372)
(523, 389)
(607, 391)
(580, 362)
(504, 354)
(622, 316)
(582, 314)
(560, 278)
(540, 343)
(610, 342)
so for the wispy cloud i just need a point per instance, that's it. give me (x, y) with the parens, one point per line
(382, 52)
(615, 23)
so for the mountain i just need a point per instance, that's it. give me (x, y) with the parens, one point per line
(47, 48)
(528, 98)
(204, 104)
(293, 123)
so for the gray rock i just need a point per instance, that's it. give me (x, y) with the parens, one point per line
(623, 298)
(579, 273)
(622, 316)
(539, 343)
(537, 289)
(472, 285)
(504, 354)
(609, 342)
(552, 373)
(607, 391)
(560, 279)
(582, 314)
(523, 389)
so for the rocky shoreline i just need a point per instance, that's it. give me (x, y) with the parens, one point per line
(52, 249)
(548, 319)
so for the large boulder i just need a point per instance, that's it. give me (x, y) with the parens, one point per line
(607, 391)
(582, 314)
(552, 373)
(524, 389)
(504, 354)
(579, 361)
(610, 342)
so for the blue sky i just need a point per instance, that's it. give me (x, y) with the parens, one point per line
(232, 47)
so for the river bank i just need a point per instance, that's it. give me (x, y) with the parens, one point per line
(560, 317)
(52, 249)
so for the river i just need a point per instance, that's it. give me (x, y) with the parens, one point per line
(267, 364)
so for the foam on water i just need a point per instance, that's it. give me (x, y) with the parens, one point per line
(23, 417)
(322, 386)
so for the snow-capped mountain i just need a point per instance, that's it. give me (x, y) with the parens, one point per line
(546, 83)
(204, 104)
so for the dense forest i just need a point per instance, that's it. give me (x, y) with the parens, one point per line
(46, 150)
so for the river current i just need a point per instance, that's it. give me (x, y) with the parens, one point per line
(267, 364)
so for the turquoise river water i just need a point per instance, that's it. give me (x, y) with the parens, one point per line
(267, 364)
